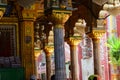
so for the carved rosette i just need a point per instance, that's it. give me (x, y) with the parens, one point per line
(97, 34)
(59, 17)
(74, 41)
(49, 50)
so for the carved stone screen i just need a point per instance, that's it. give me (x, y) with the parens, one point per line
(7, 40)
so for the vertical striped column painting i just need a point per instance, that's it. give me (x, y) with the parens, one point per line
(112, 30)
(111, 25)
(118, 25)
(104, 58)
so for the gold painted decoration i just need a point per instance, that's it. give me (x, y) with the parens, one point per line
(59, 16)
(37, 52)
(75, 40)
(29, 14)
(1, 13)
(39, 13)
(114, 31)
(28, 28)
(3, 6)
(7, 20)
(59, 26)
(97, 33)
(49, 50)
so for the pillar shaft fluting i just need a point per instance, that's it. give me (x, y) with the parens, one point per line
(60, 71)
(58, 18)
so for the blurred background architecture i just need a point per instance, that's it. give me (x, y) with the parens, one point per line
(65, 38)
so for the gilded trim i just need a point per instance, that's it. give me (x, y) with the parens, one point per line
(59, 26)
(97, 33)
(62, 11)
(49, 50)
(59, 16)
(75, 40)
(37, 52)
(9, 20)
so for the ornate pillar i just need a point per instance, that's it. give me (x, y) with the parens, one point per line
(27, 42)
(60, 72)
(59, 18)
(48, 51)
(58, 15)
(96, 35)
(73, 42)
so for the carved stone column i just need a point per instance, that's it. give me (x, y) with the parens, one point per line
(96, 35)
(59, 17)
(73, 42)
(48, 51)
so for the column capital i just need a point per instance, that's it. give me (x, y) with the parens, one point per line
(37, 52)
(59, 17)
(75, 40)
(96, 33)
(28, 14)
(49, 50)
